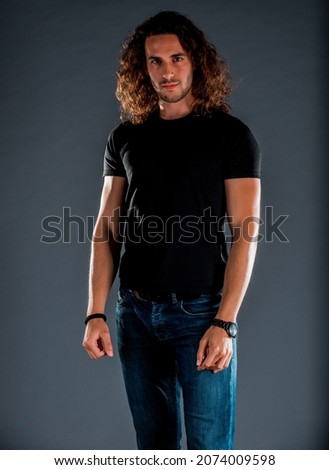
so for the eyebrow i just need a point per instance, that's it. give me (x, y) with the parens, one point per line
(177, 54)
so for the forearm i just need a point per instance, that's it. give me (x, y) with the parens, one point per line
(237, 276)
(104, 263)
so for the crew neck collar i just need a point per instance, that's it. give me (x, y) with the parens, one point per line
(175, 120)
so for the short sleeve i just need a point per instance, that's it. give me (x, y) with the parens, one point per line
(113, 165)
(242, 153)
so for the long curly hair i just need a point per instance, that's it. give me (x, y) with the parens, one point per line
(211, 84)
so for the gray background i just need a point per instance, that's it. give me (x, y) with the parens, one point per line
(58, 61)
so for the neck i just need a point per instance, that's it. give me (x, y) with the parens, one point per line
(175, 110)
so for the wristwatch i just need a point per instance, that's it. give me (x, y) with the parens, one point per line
(230, 327)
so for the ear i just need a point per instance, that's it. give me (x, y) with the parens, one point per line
(145, 69)
(145, 61)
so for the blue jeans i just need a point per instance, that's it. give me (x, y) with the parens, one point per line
(157, 344)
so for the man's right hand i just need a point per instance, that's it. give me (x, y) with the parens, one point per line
(97, 340)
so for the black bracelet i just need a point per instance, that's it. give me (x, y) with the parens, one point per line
(95, 315)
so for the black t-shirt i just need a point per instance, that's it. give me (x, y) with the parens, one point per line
(175, 200)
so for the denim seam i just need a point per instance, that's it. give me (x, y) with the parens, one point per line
(196, 314)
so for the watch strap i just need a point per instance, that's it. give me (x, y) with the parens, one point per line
(224, 324)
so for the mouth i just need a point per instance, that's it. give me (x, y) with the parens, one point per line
(170, 86)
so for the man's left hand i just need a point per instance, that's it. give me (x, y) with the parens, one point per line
(215, 350)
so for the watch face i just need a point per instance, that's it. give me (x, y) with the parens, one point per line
(233, 330)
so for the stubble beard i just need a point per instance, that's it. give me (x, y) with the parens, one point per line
(167, 98)
(175, 99)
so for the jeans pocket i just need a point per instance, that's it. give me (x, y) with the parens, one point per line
(204, 306)
(123, 297)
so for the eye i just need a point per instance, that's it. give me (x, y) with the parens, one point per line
(155, 61)
(178, 58)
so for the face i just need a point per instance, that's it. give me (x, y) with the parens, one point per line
(169, 67)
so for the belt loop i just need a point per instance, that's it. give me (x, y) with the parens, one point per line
(135, 293)
(174, 298)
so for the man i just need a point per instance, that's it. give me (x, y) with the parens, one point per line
(173, 169)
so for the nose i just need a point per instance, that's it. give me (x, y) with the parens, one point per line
(168, 76)
(168, 73)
